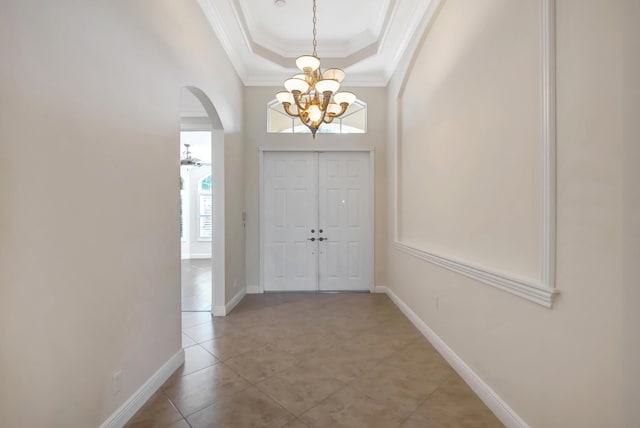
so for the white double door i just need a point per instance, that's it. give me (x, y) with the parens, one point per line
(317, 221)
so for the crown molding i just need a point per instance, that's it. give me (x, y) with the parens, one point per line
(369, 62)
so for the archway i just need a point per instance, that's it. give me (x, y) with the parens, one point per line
(199, 116)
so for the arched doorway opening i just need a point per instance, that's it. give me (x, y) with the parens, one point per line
(202, 221)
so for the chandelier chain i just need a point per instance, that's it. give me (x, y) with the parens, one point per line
(315, 33)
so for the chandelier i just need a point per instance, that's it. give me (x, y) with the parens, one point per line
(313, 95)
(187, 159)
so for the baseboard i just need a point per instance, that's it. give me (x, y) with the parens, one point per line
(223, 311)
(199, 256)
(380, 289)
(493, 401)
(254, 289)
(144, 393)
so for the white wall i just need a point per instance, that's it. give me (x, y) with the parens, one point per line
(91, 100)
(256, 99)
(558, 367)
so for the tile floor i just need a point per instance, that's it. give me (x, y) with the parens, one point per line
(196, 285)
(311, 360)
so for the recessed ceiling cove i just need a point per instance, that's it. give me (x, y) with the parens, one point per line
(364, 37)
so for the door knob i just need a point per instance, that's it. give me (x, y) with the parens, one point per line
(313, 231)
(320, 231)
(312, 239)
(322, 239)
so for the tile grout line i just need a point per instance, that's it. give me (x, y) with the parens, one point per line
(174, 406)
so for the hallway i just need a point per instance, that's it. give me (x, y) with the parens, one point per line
(196, 285)
(311, 360)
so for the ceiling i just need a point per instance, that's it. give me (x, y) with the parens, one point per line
(366, 38)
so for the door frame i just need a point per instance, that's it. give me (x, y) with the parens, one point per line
(261, 240)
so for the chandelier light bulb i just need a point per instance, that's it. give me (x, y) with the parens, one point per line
(285, 97)
(293, 85)
(344, 97)
(335, 74)
(327, 86)
(308, 63)
(333, 109)
(315, 114)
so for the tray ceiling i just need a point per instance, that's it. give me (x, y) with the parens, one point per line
(364, 37)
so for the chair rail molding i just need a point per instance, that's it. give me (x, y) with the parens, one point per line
(543, 291)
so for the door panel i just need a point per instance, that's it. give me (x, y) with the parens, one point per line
(290, 212)
(345, 221)
(326, 191)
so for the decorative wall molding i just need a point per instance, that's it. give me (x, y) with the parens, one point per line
(144, 393)
(519, 287)
(544, 291)
(223, 311)
(488, 396)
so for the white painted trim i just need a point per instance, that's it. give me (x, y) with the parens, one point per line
(199, 256)
(488, 396)
(261, 206)
(223, 311)
(306, 147)
(372, 225)
(519, 287)
(541, 292)
(236, 299)
(380, 289)
(215, 18)
(218, 245)
(254, 289)
(549, 142)
(262, 149)
(134, 403)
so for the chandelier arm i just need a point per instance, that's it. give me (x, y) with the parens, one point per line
(344, 107)
(326, 97)
(296, 98)
(287, 109)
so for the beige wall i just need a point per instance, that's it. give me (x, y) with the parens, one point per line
(255, 109)
(463, 139)
(90, 254)
(558, 367)
(631, 154)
